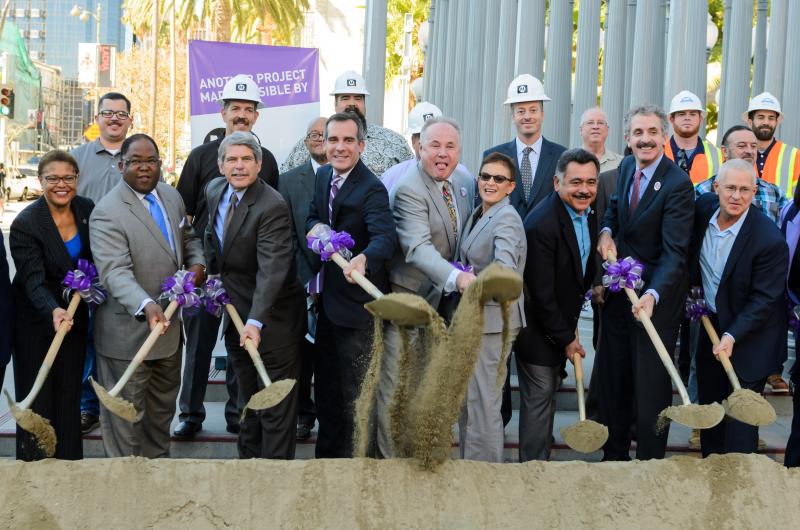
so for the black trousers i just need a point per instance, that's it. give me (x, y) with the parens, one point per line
(340, 363)
(792, 456)
(307, 412)
(201, 336)
(268, 433)
(632, 380)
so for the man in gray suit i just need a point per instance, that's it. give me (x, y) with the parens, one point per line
(431, 205)
(249, 242)
(139, 237)
(297, 188)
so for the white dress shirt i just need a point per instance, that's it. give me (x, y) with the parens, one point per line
(533, 156)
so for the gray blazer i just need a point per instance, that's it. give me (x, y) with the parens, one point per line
(427, 246)
(297, 188)
(132, 259)
(497, 236)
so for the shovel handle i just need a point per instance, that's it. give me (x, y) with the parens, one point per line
(577, 361)
(144, 350)
(666, 359)
(50, 357)
(249, 345)
(359, 278)
(726, 362)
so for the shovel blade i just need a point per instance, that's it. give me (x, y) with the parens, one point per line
(586, 436)
(750, 408)
(500, 283)
(116, 405)
(402, 309)
(694, 416)
(272, 395)
(35, 424)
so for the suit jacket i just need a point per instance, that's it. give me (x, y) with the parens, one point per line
(542, 180)
(657, 234)
(6, 306)
(606, 186)
(555, 282)
(790, 227)
(297, 188)
(361, 208)
(750, 301)
(497, 236)
(427, 246)
(256, 262)
(133, 258)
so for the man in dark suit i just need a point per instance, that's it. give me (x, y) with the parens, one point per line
(297, 188)
(649, 218)
(348, 197)
(740, 258)
(561, 234)
(249, 243)
(240, 103)
(536, 156)
(6, 311)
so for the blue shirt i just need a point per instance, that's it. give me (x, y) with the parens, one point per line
(717, 245)
(74, 247)
(647, 174)
(222, 211)
(580, 223)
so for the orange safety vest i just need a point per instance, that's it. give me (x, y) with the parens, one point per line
(704, 165)
(782, 167)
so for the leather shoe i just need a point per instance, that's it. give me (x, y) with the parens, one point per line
(186, 430)
(232, 428)
(304, 431)
(89, 422)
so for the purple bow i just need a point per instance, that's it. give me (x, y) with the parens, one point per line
(696, 306)
(215, 297)
(460, 266)
(84, 279)
(587, 299)
(626, 273)
(794, 317)
(325, 242)
(180, 288)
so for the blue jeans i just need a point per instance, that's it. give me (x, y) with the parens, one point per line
(89, 401)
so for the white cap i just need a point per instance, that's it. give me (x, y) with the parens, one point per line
(764, 101)
(241, 87)
(350, 83)
(421, 113)
(685, 100)
(523, 88)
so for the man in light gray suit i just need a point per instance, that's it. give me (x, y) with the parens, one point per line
(431, 205)
(139, 237)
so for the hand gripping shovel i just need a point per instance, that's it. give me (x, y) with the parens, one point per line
(180, 290)
(625, 275)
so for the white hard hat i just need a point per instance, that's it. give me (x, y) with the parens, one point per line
(241, 87)
(350, 83)
(685, 100)
(764, 101)
(523, 88)
(421, 113)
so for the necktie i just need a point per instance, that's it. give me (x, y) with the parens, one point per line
(229, 214)
(637, 177)
(451, 208)
(683, 162)
(335, 185)
(525, 173)
(158, 215)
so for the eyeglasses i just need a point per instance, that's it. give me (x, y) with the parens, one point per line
(67, 179)
(121, 114)
(744, 190)
(595, 123)
(499, 179)
(152, 162)
(314, 136)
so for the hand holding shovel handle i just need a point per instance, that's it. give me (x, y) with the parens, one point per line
(726, 362)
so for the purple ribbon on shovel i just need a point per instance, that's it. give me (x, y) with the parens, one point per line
(215, 297)
(626, 273)
(460, 266)
(696, 306)
(793, 312)
(86, 282)
(325, 242)
(180, 288)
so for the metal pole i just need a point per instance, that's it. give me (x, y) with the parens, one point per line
(586, 66)
(737, 74)
(630, 31)
(460, 81)
(776, 49)
(442, 13)
(558, 72)
(451, 43)
(491, 107)
(505, 63)
(726, 24)
(472, 112)
(172, 87)
(676, 49)
(154, 72)
(760, 50)
(375, 58)
(530, 38)
(614, 78)
(430, 56)
(647, 45)
(96, 52)
(790, 128)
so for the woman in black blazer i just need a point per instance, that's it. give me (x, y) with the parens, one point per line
(47, 238)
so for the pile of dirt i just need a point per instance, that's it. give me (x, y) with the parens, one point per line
(734, 491)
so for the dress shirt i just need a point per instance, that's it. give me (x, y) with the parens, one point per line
(580, 223)
(768, 197)
(533, 156)
(450, 284)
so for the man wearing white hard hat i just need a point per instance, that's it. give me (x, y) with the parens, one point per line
(536, 156)
(697, 157)
(421, 113)
(240, 102)
(384, 147)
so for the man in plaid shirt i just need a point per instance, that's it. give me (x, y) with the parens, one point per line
(740, 142)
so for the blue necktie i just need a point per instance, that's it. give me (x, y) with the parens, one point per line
(158, 215)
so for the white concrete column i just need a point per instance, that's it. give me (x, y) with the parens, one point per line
(430, 55)
(776, 49)
(630, 37)
(452, 42)
(440, 43)
(505, 62)
(696, 62)
(460, 59)
(648, 50)
(614, 78)
(760, 48)
(790, 106)
(375, 57)
(677, 52)
(471, 112)
(530, 38)
(737, 70)
(491, 108)
(586, 65)
(726, 22)
(558, 72)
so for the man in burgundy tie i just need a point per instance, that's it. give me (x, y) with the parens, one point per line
(649, 218)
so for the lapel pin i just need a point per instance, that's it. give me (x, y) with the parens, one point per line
(463, 191)
(657, 186)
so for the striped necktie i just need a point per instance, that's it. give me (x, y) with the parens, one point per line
(451, 208)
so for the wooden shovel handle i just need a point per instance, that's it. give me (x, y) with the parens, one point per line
(666, 359)
(359, 278)
(144, 350)
(726, 362)
(50, 357)
(577, 362)
(249, 345)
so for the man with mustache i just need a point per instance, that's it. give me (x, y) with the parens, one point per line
(650, 219)
(697, 157)
(240, 103)
(383, 147)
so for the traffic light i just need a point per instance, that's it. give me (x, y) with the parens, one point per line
(7, 101)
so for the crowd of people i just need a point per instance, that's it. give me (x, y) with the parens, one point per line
(692, 214)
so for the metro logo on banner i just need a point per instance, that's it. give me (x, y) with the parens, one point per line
(288, 83)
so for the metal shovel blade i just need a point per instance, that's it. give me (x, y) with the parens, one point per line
(500, 283)
(750, 408)
(694, 416)
(585, 436)
(403, 309)
(116, 405)
(272, 395)
(35, 424)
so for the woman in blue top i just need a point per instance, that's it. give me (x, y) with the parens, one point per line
(47, 238)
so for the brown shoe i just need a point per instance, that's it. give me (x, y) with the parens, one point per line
(89, 422)
(777, 384)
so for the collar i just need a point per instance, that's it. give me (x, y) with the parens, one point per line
(766, 151)
(229, 191)
(140, 196)
(734, 228)
(650, 170)
(572, 213)
(537, 146)
(342, 176)
(99, 148)
(315, 166)
(697, 149)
